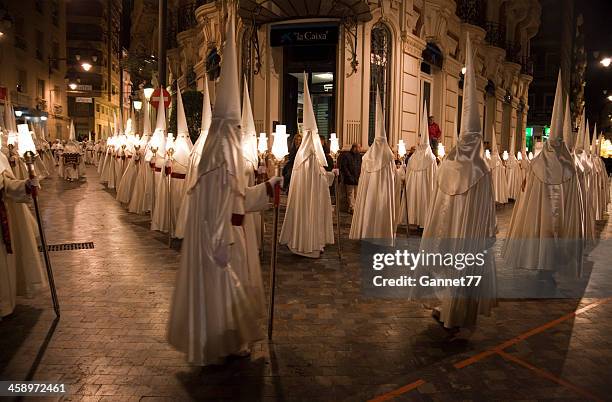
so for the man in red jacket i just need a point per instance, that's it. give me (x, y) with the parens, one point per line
(434, 134)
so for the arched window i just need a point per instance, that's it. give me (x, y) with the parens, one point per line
(380, 74)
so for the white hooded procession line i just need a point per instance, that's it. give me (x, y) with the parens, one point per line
(498, 172)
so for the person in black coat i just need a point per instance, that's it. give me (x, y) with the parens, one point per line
(350, 170)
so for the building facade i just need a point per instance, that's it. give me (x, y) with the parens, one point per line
(32, 68)
(93, 65)
(412, 51)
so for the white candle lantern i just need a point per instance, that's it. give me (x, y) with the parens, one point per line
(334, 145)
(519, 156)
(441, 150)
(262, 143)
(505, 155)
(401, 148)
(279, 146)
(24, 140)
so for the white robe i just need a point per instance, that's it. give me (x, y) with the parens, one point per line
(213, 312)
(159, 217)
(140, 201)
(545, 231)
(420, 183)
(500, 182)
(308, 223)
(374, 215)
(194, 160)
(126, 185)
(513, 175)
(22, 272)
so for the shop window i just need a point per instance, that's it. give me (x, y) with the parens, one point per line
(380, 75)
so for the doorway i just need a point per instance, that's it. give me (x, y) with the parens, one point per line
(319, 63)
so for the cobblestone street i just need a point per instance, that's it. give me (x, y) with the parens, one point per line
(330, 342)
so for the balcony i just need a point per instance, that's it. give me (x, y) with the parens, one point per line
(496, 34)
(21, 99)
(472, 12)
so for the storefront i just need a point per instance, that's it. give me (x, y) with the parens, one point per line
(411, 51)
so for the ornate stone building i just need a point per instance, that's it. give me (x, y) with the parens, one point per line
(411, 50)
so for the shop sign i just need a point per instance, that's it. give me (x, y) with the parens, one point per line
(296, 35)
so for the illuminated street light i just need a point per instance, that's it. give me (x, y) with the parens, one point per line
(610, 98)
(606, 61)
(18, 113)
(463, 70)
(72, 86)
(86, 66)
(43, 118)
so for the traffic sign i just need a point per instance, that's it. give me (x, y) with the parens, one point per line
(155, 98)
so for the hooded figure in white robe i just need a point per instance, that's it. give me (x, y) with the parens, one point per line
(159, 215)
(308, 224)
(126, 184)
(142, 196)
(513, 171)
(500, 182)
(194, 161)
(602, 179)
(17, 164)
(72, 158)
(545, 232)
(40, 167)
(214, 309)
(421, 172)
(373, 217)
(179, 162)
(597, 183)
(21, 268)
(584, 169)
(462, 215)
(253, 221)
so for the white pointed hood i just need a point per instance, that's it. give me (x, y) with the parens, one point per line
(568, 134)
(593, 149)
(223, 144)
(495, 158)
(72, 136)
(249, 134)
(423, 158)
(182, 144)
(206, 109)
(146, 124)
(554, 164)
(158, 139)
(464, 166)
(182, 129)
(311, 143)
(379, 154)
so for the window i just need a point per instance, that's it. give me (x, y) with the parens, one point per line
(55, 55)
(55, 13)
(22, 81)
(40, 88)
(38, 4)
(380, 74)
(40, 39)
(97, 108)
(549, 100)
(20, 41)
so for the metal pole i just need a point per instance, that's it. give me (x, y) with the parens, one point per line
(406, 200)
(154, 159)
(168, 171)
(274, 251)
(29, 159)
(163, 15)
(336, 184)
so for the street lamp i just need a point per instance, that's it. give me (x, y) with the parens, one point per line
(72, 86)
(606, 61)
(86, 66)
(610, 98)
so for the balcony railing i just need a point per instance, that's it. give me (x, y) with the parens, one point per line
(471, 12)
(21, 99)
(496, 34)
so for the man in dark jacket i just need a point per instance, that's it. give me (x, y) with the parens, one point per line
(350, 169)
